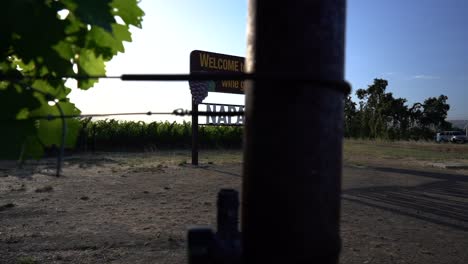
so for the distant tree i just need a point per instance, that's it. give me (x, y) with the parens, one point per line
(53, 38)
(416, 130)
(399, 118)
(374, 104)
(351, 120)
(381, 115)
(435, 113)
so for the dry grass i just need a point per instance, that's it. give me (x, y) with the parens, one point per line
(355, 151)
(404, 151)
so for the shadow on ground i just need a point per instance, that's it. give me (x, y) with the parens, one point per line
(222, 171)
(443, 202)
(48, 166)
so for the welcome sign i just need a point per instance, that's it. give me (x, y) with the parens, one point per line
(210, 62)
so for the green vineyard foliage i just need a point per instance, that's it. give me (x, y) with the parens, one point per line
(113, 135)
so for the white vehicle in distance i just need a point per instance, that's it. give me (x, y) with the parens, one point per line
(451, 136)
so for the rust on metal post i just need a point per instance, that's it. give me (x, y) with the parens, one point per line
(292, 172)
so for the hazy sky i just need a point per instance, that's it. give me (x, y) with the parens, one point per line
(419, 46)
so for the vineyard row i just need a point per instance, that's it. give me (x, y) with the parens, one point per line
(114, 135)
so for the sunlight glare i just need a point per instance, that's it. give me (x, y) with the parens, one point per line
(62, 14)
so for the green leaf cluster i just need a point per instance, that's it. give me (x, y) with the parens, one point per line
(53, 38)
(114, 135)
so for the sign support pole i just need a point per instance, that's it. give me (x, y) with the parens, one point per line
(194, 133)
(224, 64)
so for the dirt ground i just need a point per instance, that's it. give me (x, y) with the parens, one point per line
(136, 208)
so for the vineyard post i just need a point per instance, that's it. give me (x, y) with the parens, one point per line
(62, 143)
(194, 132)
(292, 173)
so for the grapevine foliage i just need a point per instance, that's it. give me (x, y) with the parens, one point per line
(53, 38)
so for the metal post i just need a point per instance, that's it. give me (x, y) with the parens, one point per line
(61, 153)
(194, 133)
(228, 215)
(292, 172)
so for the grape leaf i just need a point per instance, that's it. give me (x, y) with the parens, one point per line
(97, 13)
(35, 41)
(55, 89)
(50, 131)
(13, 137)
(103, 43)
(89, 64)
(29, 26)
(19, 99)
(121, 33)
(14, 133)
(64, 49)
(32, 148)
(129, 11)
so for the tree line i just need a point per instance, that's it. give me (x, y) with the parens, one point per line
(380, 115)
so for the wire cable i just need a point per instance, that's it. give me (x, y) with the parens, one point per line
(176, 112)
(341, 86)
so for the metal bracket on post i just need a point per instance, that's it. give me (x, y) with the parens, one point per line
(224, 246)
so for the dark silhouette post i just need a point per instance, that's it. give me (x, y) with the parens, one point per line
(194, 133)
(292, 172)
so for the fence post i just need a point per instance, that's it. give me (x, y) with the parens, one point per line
(292, 172)
(61, 153)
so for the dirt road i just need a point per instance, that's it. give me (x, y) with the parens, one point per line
(136, 208)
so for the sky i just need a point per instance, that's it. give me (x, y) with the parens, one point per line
(419, 46)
